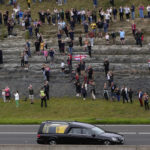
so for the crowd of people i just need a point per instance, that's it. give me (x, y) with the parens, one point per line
(95, 23)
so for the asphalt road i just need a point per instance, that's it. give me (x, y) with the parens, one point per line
(26, 134)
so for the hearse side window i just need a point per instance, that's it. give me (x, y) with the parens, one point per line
(86, 131)
(75, 131)
(55, 128)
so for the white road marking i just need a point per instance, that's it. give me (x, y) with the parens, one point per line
(144, 133)
(18, 133)
(127, 133)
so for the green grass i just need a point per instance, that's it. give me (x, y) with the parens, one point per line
(74, 109)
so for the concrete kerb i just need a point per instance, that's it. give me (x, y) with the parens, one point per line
(71, 147)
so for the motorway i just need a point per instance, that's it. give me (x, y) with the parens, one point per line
(26, 134)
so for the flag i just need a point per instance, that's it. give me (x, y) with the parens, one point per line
(79, 57)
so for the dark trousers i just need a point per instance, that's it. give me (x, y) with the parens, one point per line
(146, 105)
(139, 41)
(125, 99)
(43, 100)
(47, 95)
(131, 101)
(121, 16)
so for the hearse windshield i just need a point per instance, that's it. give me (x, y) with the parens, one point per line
(97, 131)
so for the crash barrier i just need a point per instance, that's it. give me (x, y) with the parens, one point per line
(71, 147)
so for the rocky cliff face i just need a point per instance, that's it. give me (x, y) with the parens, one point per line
(128, 62)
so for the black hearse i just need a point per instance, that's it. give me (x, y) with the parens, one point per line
(58, 132)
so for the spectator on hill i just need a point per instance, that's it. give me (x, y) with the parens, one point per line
(3, 95)
(113, 94)
(138, 37)
(83, 91)
(107, 38)
(52, 54)
(140, 95)
(133, 11)
(7, 93)
(113, 35)
(127, 12)
(80, 40)
(31, 94)
(130, 94)
(133, 28)
(43, 98)
(100, 28)
(1, 19)
(95, 3)
(121, 13)
(46, 90)
(105, 93)
(141, 10)
(124, 94)
(16, 94)
(122, 36)
(112, 2)
(106, 66)
(146, 101)
(78, 89)
(148, 11)
(117, 93)
(22, 59)
(114, 12)
(93, 92)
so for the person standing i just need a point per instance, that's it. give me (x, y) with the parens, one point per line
(141, 98)
(83, 90)
(122, 36)
(146, 102)
(16, 94)
(133, 12)
(148, 10)
(141, 9)
(43, 97)
(46, 90)
(130, 93)
(106, 66)
(3, 95)
(7, 93)
(31, 94)
(106, 94)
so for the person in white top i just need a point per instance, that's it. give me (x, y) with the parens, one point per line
(3, 95)
(16, 94)
(62, 67)
(107, 17)
(127, 12)
(148, 10)
(107, 38)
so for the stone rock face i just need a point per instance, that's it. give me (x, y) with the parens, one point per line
(128, 62)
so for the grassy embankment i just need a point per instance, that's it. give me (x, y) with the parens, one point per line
(74, 109)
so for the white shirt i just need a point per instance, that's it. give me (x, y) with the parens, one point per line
(127, 10)
(16, 96)
(107, 16)
(62, 65)
(148, 8)
(107, 37)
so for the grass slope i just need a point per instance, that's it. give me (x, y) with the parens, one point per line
(99, 111)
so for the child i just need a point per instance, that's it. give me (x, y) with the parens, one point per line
(107, 38)
(17, 98)
(46, 54)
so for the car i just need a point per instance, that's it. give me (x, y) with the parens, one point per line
(62, 132)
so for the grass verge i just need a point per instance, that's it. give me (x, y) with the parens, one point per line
(74, 109)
